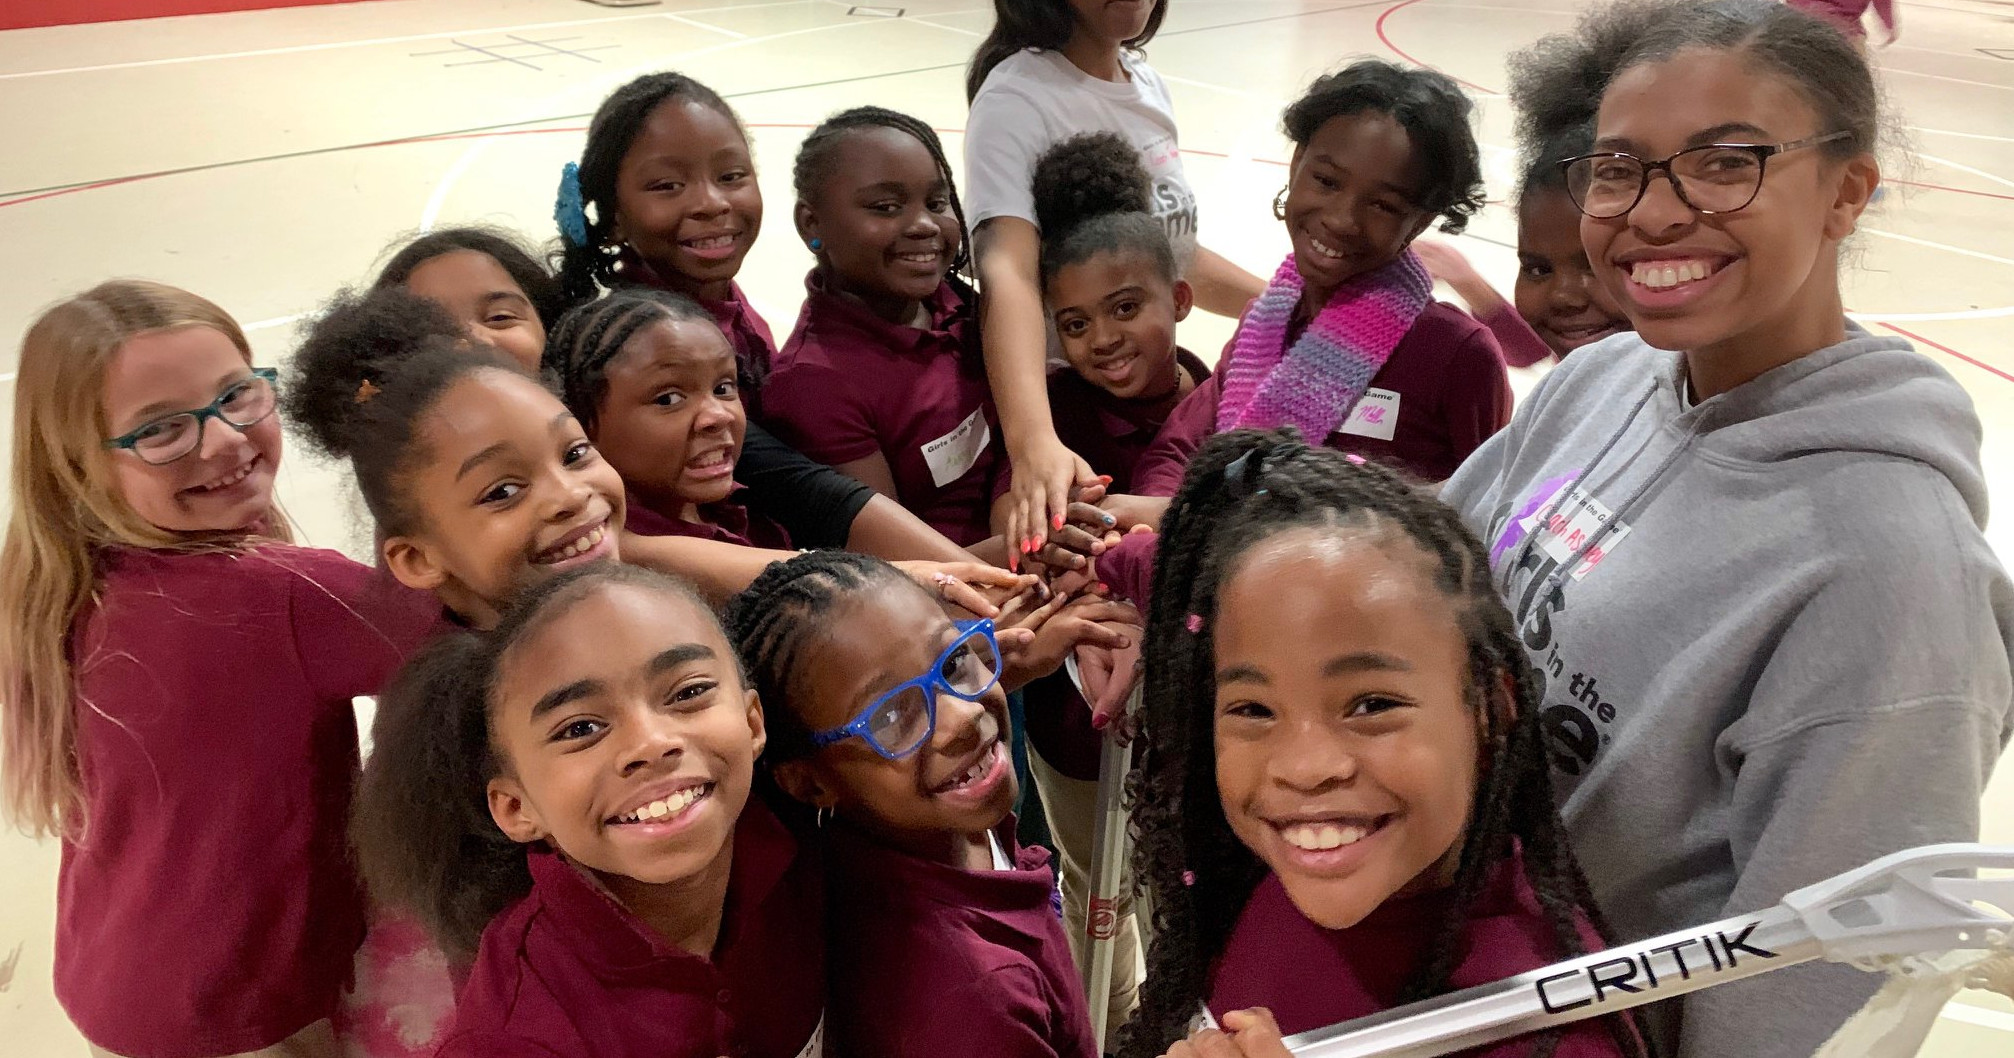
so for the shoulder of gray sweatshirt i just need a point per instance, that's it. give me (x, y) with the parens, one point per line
(1774, 641)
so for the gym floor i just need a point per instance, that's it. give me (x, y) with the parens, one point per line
(264, 159)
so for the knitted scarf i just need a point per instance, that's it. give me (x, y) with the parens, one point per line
(1314, 384)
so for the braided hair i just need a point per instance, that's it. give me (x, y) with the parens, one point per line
(588, 336)
(771, 624)
(1093, 196)
(1243, 488)
(814, 159)
(586, 267)
(421, 826)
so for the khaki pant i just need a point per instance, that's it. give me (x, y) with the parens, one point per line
(315, 1041)
(1072, 808)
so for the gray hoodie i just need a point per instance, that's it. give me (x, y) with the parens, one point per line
(1774, 642)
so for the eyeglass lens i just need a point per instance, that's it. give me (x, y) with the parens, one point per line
(1710, 179)
(164, 440)
(902, 722)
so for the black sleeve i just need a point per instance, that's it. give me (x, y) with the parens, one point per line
(814, 503)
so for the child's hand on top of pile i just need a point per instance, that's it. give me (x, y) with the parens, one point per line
(1057, 627)
(977, 587)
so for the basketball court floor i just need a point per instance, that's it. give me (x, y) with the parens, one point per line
(264, 159)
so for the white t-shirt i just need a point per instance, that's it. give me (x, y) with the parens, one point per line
(1036, 99)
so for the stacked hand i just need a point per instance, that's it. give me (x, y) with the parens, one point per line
(1246, 1034)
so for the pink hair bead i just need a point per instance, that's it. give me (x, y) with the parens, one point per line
(1195, 622)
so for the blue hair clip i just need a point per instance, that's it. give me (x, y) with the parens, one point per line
(569, 211)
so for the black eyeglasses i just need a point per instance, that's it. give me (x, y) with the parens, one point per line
(1711, 178)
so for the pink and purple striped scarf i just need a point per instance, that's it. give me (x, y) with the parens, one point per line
(1314, 384)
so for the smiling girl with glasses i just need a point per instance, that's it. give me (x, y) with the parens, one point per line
(890, 719)
(1710, 530)
(175, 685)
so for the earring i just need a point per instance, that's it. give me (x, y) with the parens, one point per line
(819, 818)
(817, 245)
(1280, 205)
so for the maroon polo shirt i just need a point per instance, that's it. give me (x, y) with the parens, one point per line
(929, 960)
(1111, 434)
(567, 972)
(210, 906)
(1452, 393)
(849, 384)
(1311, 977)
(727, 521)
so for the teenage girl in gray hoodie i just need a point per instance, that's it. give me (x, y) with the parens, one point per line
(1751, 572)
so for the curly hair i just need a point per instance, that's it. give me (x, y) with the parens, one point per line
(814, 159)
(1243, 488)
(589, 336)
(584, 269)
(1093, 196)
(1559, 82)
(421, 824)
(1428, 105)
(503, 247)
(372, 366)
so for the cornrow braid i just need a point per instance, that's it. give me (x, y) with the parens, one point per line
(586, 268)
(771, 623)
(588, 336)
(814, 159)
(1242, 488)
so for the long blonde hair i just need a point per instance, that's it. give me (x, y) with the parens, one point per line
(65, 509)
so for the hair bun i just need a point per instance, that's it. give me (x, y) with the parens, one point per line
(351, 353)
(1089, 176)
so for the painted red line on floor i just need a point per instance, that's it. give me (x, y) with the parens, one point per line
(1940, 347)
(1954, 190)
(1403, 54)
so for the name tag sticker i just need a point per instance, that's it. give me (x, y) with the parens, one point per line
(1376, 415)
(1571, 524)
(951, 455)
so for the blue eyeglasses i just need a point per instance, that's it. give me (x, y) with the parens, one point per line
(244, 404)
(902, 720)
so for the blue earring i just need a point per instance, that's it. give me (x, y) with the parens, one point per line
(817, 245)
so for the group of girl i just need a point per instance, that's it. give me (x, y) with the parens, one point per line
(645, 779)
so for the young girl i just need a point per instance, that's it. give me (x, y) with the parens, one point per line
(1347, 343)
(479, 481)
(159, 620)
(882, 378)
(1712, 758)
(892, 721)
(1112, 288)
(1049, 70)
(653, 381)
(1557, 305)
(669, 175)
(495, 288)
(572, 788)
(1343, 804)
